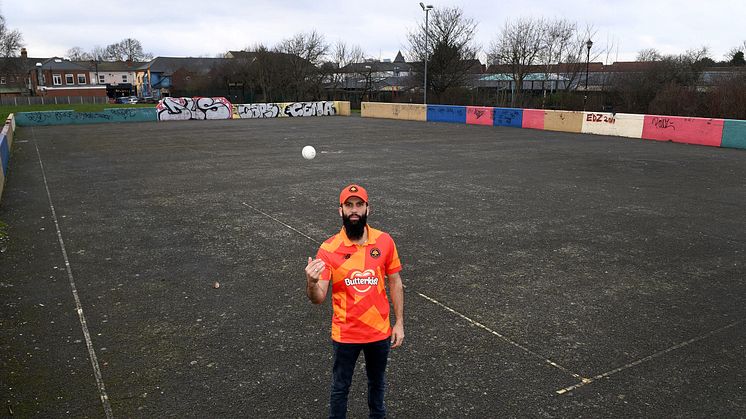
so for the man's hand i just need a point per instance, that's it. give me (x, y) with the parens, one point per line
(315, 290)
(397, 335)
(314, 269)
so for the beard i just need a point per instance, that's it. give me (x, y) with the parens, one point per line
(354, 228)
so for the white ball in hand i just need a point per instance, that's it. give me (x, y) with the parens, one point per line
(308, 152)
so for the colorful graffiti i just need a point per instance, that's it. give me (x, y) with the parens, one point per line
(292, 109)
(184, 108)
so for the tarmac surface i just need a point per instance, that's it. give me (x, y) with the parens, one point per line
(547, 274)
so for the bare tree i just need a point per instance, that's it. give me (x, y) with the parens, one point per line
(340, 67)
(519, 46)
(451, 50)
(558, 35)
(305, 52)
(649, 54)
(77, 54)
(98, 53)
(11, 41)
(126, 49)
(578, 55)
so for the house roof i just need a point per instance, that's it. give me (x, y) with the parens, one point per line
(120, 66)
(376, 66)
(10, 65)
(168, 65)
(57, 63)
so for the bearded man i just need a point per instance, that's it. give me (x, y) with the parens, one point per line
(356, 261)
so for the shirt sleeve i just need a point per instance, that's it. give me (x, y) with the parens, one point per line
(393, 264)
(326, 274)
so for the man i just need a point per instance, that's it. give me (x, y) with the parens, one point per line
(356, 260)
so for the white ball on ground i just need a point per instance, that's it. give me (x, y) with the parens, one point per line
(308, 152)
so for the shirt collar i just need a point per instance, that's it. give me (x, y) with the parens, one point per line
(347, 242)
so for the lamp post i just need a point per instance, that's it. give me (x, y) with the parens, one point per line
(38, 75)
(426, 9)
(588, 45)
(368, 81)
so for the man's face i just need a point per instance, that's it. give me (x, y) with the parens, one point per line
(354, 214)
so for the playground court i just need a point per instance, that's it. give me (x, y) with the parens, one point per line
(547, 274)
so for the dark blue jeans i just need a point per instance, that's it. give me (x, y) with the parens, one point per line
(345, 357)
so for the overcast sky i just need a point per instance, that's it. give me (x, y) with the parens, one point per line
(208, 28)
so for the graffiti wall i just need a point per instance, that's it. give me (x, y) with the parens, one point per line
(445, 113)
(43, 118)
(702, 131)
(291, 109)
(566, 121)
(393, 111)
(6, 141)
(619, 124)
(185, 108)
(478, 115)
(508, 117)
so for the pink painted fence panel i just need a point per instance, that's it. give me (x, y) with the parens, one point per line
(478, 115)
(679, 129)
(533, 118)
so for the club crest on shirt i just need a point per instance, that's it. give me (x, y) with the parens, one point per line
(375, 253)
(362, 282)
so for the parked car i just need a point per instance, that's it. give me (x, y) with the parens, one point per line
(147, 99)
(127, 99)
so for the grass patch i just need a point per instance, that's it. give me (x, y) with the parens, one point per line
(79, 107)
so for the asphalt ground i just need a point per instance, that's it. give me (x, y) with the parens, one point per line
(547, 274)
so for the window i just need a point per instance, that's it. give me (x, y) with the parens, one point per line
(81, 78)
(124, 78)
(101, 79)
(69, 79)
(57, 79)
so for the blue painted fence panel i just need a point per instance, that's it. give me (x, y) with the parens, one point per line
(508, 117)
(4, 154)
(445, 113)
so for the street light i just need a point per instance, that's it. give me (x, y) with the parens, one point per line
(426, 9)
(588, 45)
(38, 75)
(368, 82)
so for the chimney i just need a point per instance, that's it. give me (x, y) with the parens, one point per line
(24, 54)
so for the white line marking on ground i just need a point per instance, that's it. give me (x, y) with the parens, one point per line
(647, 358)
(501, 336)
(436, 302)
(288, 226)
(83, 324)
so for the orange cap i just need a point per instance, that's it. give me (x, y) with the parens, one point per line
(353, 190)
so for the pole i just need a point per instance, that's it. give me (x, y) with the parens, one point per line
(587, 64)
(588, 44)
(426, 53)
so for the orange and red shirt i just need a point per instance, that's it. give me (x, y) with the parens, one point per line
(357, 272)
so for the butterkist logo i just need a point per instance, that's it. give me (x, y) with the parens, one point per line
(362, 281)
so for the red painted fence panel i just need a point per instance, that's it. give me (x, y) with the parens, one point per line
(478, 115)
(679, 129)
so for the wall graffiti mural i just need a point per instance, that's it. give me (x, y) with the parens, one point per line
(279, 110)
(258, 110)
(310, 109)
(184, 108)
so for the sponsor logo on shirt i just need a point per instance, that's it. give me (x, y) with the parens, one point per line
(362, 282)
